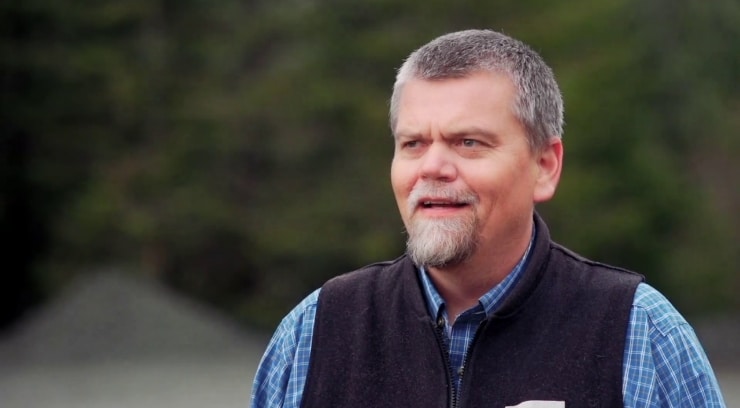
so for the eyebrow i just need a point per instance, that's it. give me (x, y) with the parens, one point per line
(473, 130)
(455, 134)
(407, 135)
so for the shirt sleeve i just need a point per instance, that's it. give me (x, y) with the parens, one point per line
(664, 363)
(282, 372)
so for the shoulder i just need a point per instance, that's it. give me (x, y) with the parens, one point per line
(294, 326)
(664, 360)
(367, 277)
(653, 310)
(593, 280)
(281, 373)
(657, 330)
(573, 260)
(301, 313)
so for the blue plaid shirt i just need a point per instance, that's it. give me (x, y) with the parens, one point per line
(664, 364)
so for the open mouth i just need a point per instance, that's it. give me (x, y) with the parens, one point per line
(442, 204)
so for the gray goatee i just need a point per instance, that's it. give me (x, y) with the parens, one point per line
(437, 242)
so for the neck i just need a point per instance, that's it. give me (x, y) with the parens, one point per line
(462, 285)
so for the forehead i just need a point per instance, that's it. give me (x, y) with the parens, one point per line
(477, 99)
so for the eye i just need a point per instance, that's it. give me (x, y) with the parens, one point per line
(469, 142)
(410, 144)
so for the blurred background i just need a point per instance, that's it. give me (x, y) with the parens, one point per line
(176, 176)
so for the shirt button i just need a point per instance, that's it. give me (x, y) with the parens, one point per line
(441, 322)
(460, 371)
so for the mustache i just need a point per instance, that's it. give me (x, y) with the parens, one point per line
(428, 190)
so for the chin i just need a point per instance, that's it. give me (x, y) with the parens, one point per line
(441, 242)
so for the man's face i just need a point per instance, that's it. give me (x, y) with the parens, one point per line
(464, 176)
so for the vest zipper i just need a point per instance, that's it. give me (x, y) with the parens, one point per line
(439, 333)
(468, 352)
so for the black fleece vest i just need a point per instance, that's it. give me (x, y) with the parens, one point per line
(559, 336)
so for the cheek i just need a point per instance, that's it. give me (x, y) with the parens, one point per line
(401, 180)
(499, 189)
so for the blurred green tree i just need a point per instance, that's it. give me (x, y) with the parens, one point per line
(239, 150)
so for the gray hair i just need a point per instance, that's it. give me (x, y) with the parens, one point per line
(538, 104)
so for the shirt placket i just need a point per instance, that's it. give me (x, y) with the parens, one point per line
(460, 336)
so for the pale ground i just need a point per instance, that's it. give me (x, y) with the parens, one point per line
(185, 384)
(115, 341)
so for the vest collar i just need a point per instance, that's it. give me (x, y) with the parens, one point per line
(527, 279)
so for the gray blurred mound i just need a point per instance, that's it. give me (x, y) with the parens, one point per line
(111, 339)
(110, 316)
(720, 337)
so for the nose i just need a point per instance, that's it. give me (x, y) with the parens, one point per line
(437, 163)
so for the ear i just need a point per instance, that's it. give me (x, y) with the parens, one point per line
(549, 166)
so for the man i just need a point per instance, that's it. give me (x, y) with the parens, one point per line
(483, 309)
